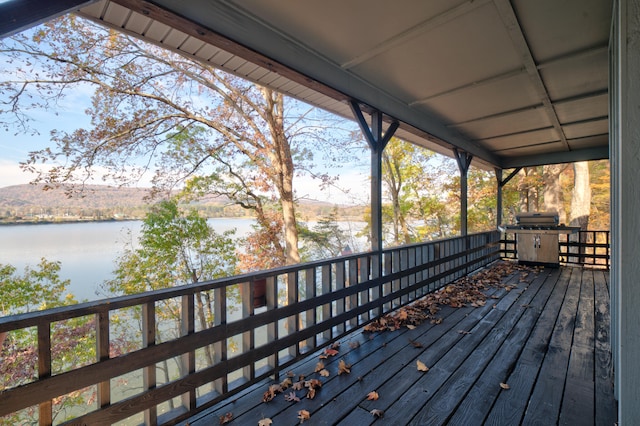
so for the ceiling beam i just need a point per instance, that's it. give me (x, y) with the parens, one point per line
(512, 26)
(586, 154)
(19, 15)
(415, 31)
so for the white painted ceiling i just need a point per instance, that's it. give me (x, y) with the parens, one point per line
(514, 83)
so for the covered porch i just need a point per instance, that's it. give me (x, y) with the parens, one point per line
(544, 85)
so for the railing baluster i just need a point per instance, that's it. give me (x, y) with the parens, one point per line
(248, 338)
(292, 298)
(271, 293)
(326, 289)
(310, 293)
(149, 372)
(220, 346)
(102, 354)
(44, 370)
(352, 301)
(363, 265)
(340, 303)
(188, 359)
(387, 287)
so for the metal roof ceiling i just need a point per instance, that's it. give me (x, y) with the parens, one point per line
(515, 83)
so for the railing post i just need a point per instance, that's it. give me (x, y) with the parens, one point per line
(352, 301)
(149, 373)
(44, 370)
(340, 303)
(247, 290)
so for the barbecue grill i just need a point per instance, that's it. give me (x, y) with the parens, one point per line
(537, 237)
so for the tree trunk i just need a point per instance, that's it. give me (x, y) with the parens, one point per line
(552, 194)
(580, 201)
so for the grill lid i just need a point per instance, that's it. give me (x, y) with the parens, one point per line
(538, 219)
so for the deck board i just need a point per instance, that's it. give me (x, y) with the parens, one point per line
(547, 339)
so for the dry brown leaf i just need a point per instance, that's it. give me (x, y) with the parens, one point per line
(416, 344)
(226, 418)
(303, 415)
(311, 394)
(354, 345)
(291, 397)
(319, 366)
(377, 413)
(373, 396)
(411, 326)
(298, 385)
(329, 352)
(286, 383)
(343, 367)
(504, 386)
(265, 422)
(324, 372)
(421, 366)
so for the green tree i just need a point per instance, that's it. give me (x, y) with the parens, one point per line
(175, 248)
(72, 341)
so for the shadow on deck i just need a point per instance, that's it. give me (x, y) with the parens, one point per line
(544, 336)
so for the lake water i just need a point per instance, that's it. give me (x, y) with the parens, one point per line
(87, 251)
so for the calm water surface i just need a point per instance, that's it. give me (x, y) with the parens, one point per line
(87, 251)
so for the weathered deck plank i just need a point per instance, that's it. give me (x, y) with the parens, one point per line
(547, 339)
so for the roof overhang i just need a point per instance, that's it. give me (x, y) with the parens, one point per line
(515, 83)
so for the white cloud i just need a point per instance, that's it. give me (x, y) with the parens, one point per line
(11, 174)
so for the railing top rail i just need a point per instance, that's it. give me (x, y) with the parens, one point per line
(34, 318)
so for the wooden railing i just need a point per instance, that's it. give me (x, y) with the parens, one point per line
(253, 334)
(585, 248)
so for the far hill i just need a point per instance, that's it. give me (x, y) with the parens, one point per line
(31, 203)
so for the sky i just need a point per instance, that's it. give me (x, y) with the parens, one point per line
(351, 187)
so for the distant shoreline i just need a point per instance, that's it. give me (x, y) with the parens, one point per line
(68, 221)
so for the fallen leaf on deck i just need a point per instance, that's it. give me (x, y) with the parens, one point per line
(416, 344)
(329, 352)
(319, 366)
(377, 413)
(373, 396)
(354, 345)
(411, 326)
(464, 332)
(504, 386)
(343, 367)
(303, 415)
(298, 385)
(421, 366)
(265, 422)
(226, 418)
(291, 397)
(286, 383)
(324, 372)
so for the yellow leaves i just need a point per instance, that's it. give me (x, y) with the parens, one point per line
(265, 422)
(421, 366)
(373, 396)
(343, 367)
(303, 415)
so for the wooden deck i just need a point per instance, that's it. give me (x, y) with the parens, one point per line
(546, 340)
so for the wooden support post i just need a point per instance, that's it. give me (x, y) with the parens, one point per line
(464, 161)
(377, 141)
(188, 359)
(102, 354)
